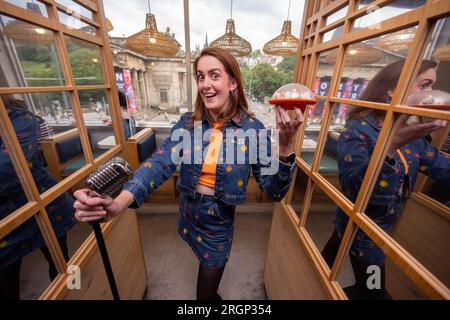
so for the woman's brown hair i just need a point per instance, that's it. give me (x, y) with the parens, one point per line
(237, 96)
(377, 89)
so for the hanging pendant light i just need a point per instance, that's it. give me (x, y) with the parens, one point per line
(357, 54)
(402, 39)
(285, 44)
(231, 42)
(22, 31)
(398, 41)
(109, 26)
(150, 41)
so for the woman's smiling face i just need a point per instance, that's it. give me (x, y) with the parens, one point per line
(214, 84)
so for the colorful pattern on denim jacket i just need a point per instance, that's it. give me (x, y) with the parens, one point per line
(241, 136)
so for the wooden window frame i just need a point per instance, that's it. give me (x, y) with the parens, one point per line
(37, 202)
(307, 63)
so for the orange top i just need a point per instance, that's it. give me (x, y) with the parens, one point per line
(208, 175)
(402, 157)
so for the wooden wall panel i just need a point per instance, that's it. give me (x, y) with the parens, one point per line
(426, 235)
(125, 252)
(289, 273)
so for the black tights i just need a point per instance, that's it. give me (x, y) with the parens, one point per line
(10, 276)
(208, 282)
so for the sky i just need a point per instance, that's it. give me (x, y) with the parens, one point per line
(257, 21)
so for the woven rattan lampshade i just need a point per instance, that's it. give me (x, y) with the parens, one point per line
(397, 41)
(442, 53)
(26, 32)
(283, 45)
(357, 54)
(151, 42)
(109, 26)
(231, 42)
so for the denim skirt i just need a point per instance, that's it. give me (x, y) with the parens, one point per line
(207, 225)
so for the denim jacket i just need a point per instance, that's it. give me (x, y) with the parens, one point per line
(242, 136)
(27, 130)
(355, 147)
(27, 237)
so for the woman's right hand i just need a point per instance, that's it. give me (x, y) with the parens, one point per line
(407, 133)
(91, 207)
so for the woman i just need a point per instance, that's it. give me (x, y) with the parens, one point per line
(210, 188)
(409, 153)
(128, 122)
(29, 129)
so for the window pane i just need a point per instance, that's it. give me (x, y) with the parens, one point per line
(336, 16)
(75, 23)
(35, 6)
(368, 274)
(298, 195)
(75, 7)
(333, 34)
(363, 60)
(438, 49)
(320, 226)
(26, 128)
(349, 148)
(86, 62)
(321, 88)
(58, 146)
(34, 278)
(97, 117)
(328, 166)
(376, 14)
(77, 235)
(29, 56)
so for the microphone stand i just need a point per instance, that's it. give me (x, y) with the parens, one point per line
(108, 179)
(105, 258)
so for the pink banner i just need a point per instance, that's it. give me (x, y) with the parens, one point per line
(129, 90)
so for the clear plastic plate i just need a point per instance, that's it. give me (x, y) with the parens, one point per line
(293, 95)
(434, 99)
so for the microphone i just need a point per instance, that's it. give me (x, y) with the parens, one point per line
(108, 180)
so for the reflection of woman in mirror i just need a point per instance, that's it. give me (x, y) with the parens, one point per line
(410, 152)
(29, 129)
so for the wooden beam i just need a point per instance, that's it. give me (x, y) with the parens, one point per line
(17, 218)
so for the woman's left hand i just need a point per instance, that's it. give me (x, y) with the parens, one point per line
(287, 129)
